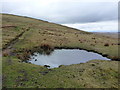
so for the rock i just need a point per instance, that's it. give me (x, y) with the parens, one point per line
(47, 66)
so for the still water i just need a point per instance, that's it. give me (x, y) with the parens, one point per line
(64, 57)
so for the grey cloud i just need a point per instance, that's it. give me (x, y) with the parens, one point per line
(65, 12)
(88, 12)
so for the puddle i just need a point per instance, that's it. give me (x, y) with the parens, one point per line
(64, 57)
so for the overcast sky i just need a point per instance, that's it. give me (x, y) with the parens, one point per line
(100, 16)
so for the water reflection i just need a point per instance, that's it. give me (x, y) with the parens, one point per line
(64, 57)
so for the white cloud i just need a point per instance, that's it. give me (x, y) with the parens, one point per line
(106, 26)
(60, 0)
(63, 12)
(81, 14)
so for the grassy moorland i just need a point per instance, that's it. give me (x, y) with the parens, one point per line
(21, 36)
(109, 34)
(93, 74)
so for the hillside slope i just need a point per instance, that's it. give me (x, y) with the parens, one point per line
(22, 36)
(39, 32)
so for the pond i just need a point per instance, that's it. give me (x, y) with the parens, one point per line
(64, 57)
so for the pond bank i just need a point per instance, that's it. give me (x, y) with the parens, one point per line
(102, 74)
(24, 54)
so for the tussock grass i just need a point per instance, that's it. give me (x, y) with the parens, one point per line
(38, 32)
(102, 74)
(39, 35)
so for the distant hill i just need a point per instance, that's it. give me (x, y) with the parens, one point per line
(110, 34)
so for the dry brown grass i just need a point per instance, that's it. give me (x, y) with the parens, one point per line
(106, 44)
(41, 32)
(47, 35)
